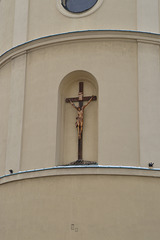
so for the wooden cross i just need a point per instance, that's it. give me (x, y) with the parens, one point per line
(80, 99)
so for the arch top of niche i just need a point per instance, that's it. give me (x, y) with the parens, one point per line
(67, 138)
(77, 75)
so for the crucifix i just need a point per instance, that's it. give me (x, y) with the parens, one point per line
(80, 111)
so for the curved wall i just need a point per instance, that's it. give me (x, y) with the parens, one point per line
(81, 207)
(36, 77)
(128, 103)
(6, 24)
(112, 199)
(5, 81)
(34, 19)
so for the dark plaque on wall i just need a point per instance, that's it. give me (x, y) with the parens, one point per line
(78, 6)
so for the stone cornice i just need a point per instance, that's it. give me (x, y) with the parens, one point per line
(81, 170)
(63, 38)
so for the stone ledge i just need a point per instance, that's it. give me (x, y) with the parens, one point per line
(88, 35)
(81, 170)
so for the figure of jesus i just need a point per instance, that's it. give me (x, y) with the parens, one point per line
(79, 118)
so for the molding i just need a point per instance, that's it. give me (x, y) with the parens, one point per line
(64, 38)
(81, 170)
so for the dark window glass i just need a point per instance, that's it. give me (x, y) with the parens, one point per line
(78, 6)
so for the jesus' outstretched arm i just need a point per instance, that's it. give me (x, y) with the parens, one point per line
(73, 104)
(88, 102)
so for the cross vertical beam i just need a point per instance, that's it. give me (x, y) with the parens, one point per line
(80, 141)
(79, 120)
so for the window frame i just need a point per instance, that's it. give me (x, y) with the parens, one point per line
(78, 15)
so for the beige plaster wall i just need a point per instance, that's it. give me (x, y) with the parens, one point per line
(5, 75)
(149, 102)
(40, 110)
(117, 103)
(20, 22)
(33, 19)
(15, 119)
(6, 24)
(127, 106)
(148, 16)
(100, 207)
(46, 19)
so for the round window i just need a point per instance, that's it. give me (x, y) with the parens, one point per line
(78, 6)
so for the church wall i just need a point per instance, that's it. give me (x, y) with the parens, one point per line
(149, 102)
(16, 110)
(34, 19)
(20, 22)
(117, 102)
(46, 19)
(127, 106)
(40, 109)
(119, 207)
(159, 14)
(5, 76)
(6, 24)
(118, 105)
(119, 197)
(148, 16)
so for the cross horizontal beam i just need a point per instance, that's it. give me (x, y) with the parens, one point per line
(76, 99)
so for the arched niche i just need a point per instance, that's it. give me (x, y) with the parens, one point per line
(67, 136)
